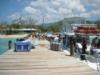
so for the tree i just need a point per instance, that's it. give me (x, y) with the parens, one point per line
(42, 29)
(98, 24)
(56, 27)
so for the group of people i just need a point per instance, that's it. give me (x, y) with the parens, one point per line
(71, 43)
(39, 35)
(96, 42)
(74, 43)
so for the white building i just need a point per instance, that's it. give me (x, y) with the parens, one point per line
(67, 23)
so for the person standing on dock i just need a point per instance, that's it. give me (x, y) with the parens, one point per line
(84, 46)
(71, 45)
(9, 44)
(65, 42)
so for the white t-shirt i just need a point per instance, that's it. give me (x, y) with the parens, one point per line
(56, 38)
(79, 45)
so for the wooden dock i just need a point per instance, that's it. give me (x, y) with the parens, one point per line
(42, 61)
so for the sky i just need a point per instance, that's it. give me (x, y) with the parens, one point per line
(48, 10)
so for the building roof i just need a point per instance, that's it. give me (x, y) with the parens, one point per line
(94, 25)
(25, 29)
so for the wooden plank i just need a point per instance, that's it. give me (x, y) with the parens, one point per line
(42, 61)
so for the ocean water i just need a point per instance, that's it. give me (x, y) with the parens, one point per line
(4, 44)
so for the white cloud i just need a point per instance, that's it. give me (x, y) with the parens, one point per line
(95, 13)
(55, 8)
(51, 10)
(86, 15)
(58, 9)
(94, 7)
(76, 5)
(95, 4)
(14, 16)
(30, 10)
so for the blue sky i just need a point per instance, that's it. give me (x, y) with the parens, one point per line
(8, 7)
(49, 10)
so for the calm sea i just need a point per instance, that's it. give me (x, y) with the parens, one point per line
(4, 44)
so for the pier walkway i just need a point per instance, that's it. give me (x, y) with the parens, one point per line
(42, 61)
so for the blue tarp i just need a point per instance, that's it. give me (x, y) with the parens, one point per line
(22, 46)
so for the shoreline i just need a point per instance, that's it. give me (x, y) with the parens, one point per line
(13, 36)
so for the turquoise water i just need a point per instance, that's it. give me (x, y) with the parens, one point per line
(4, 44)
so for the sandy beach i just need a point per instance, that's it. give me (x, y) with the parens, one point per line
(13, 36)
